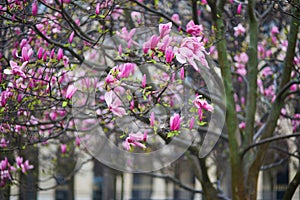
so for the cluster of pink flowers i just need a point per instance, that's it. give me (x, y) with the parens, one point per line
(118, 72)
(6, 169)
(241, 61)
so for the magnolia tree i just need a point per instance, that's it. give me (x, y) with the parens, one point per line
(137, 84)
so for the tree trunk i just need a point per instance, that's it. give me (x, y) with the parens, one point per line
(29, 181)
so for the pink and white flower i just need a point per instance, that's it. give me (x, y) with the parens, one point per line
(175, 121)
(114, 104)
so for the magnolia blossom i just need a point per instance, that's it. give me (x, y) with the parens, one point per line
(152, 119)
(26, 54)
(4, 96)
(182, 73)
(63, 148)
(135, 139)
(40, 53)
(4, 143)
(24, 166)
(165, 29)
(126, 69)
(151, 43)
(34, 8)
(274, 30)
(164, 43)
(136, 16)
(60, 54)
(175, 121)
(71, 37)
(70, 91)
(193, 29)
(296, 121)
(239, 9)
(191, 49)
(144, 81)
(15, 69)
(97, 10)
(127, 36)
(241, 58)
(266, 71)
(175, 18)
(169, 54)
(202, 104)
(239, 30)
(114, 104)
(242, 125)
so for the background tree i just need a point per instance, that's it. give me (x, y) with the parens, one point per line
(255, 46)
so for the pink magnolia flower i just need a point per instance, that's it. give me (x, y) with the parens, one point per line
(4, 96)
(239, 9)
(126, 69)
(165, 29)
(71, 37)
(131, 105)
(26, 166)
(242, 58)
(182, 73)
(120, 50)
(15, 69)
(4, 143)
(127, 36)
(135, 139)
(136, 17)
(261, 51)
(266, 71)
(77, 141)
(242, 125)
(202, 104)
(175, 121)
(239, 30)
(296, 122)
(151, 43)
(4, 163)
(70, 91)
(169, 54)
(114, 104)
(293, 88)
(144, 81)
(26, 54)
(110, 79)
(191, 49)
(63, 148)
(193, 29)
(152, 119)
(97, 10)
(40, 53)
(164, 43)
(176, 19)
(19, 161)
(60, 54)
(274, 30)
(34, 8)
